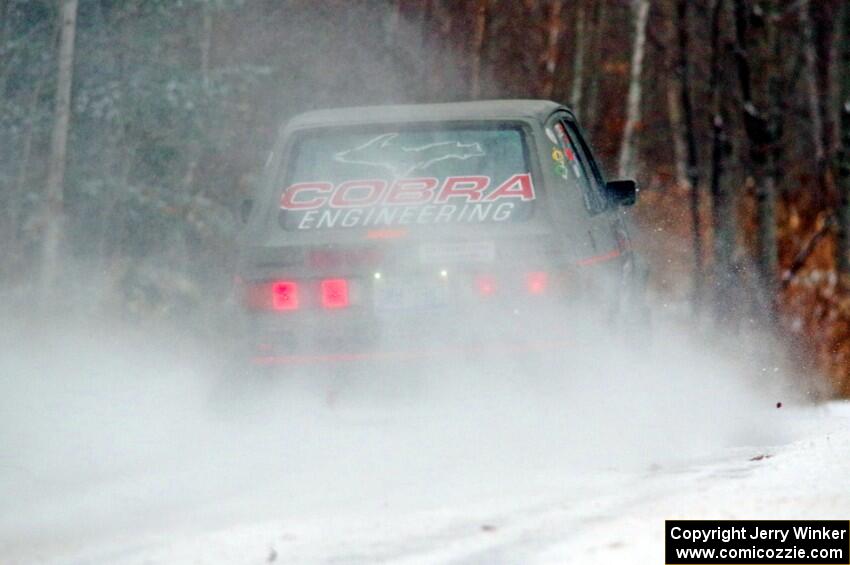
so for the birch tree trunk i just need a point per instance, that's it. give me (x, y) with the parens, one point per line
(54, 217)
(477, 46)
(578, 60)
(626, 162)
(553, 36)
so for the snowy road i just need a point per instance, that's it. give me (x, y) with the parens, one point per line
(602, 517)
(134, 458)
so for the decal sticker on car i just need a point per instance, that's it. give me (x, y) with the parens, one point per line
(405, 201)
(383, 152)
(569, 153)
(560, 170)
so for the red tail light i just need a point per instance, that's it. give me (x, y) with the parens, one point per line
(537, 282)
(486, 285)
(284, 295)
(271, 295)
(334, 293)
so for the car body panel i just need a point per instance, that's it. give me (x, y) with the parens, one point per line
(581, 252)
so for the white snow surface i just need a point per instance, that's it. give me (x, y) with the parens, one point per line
(119, 447)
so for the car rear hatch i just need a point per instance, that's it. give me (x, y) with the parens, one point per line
(406, 238)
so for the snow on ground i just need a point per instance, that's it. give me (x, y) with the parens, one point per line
(120, 448)
(806, 479)
(601, 517)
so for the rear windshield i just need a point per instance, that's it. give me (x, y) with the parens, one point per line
(406, 177)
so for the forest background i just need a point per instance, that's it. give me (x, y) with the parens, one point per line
(131, 130)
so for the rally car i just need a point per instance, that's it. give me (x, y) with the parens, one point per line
(394, 233)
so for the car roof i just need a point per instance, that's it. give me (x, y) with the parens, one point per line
(479, 110)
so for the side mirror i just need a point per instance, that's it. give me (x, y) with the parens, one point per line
(245, 210)
(622, 192)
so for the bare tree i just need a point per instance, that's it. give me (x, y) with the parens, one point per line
(692, 156)
(673, 92)
(597, 38)
(813, 93)
(550, 59)
(578, 58)
(722, 208)
(812, 90)
(761, 136)
(842, 259)
(830, 79)
(54, 217)
(477, 46)
(626, 162)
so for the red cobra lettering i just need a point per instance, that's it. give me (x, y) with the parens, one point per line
(375, 188)
(287, 200)
(411, 191)
(518, 186)
(469, 187)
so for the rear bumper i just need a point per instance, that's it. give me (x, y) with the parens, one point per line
(485, 352)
